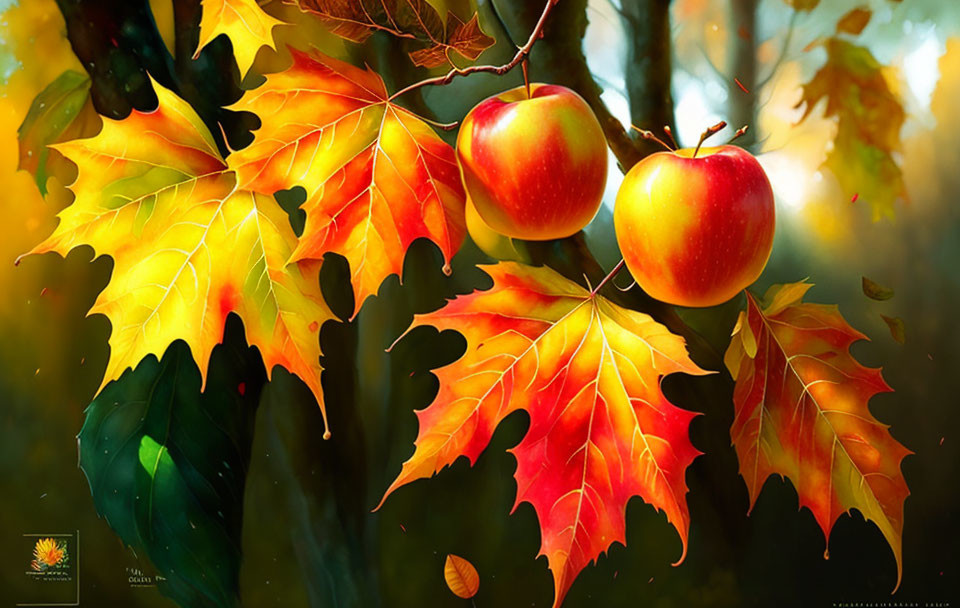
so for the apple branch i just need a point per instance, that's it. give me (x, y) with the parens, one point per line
(521, 55)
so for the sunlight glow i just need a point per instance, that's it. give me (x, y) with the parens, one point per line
(920, 67)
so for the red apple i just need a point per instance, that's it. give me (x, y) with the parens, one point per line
(695, 230)
(535, 167)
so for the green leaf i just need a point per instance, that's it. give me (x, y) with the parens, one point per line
(61, 111)
(875, 291)
(167, 465)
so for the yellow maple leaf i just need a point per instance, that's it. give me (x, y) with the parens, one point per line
(188, 246)
(244, 22)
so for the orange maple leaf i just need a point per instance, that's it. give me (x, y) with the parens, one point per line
(377, 177)
(801, 412)
(588, 372)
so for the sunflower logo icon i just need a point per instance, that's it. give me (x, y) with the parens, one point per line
(49, 554)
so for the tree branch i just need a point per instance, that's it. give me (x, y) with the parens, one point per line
(518, 58)
(783, 50)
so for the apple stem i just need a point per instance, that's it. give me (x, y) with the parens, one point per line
(612, 274)
(739, 133)
(524, 65)
(720, 126)
(651, 136)
(669, 132)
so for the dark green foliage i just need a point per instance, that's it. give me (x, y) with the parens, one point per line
(167, 464)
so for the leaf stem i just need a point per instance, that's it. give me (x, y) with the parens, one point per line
(612, 274)
(522, 53)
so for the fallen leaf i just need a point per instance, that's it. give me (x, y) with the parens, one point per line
(802, 5)
(854, 21)
(588, 373)
(897, 328)
(461, 577)
(801, 412)
(377, 177)
(875, 291)
(869, 118)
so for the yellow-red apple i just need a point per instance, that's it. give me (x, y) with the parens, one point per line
(535, 167)
(695, 229)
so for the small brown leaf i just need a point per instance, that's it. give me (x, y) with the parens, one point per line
(466, 39)
(461, 577)
(853, 22)
(802, 5)
(417, 20)
(897, 329)
(875, 291)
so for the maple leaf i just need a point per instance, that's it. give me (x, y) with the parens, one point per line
(801, 412)
(377, 177)
(244, 22)
(188, 247)
(356, 20)
(588, 373)
(869, 117)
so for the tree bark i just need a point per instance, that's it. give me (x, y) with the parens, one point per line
(649, 66)
(742, 66)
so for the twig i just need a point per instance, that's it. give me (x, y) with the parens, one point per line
(669, 132)
(717, 71)
(720, 126)
(650, 135)
(521, 54)
(739, 133)
(783, 51)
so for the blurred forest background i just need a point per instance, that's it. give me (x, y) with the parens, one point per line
(309, 538)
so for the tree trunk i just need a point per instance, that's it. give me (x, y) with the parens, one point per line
(742, 66)
(649, 66)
